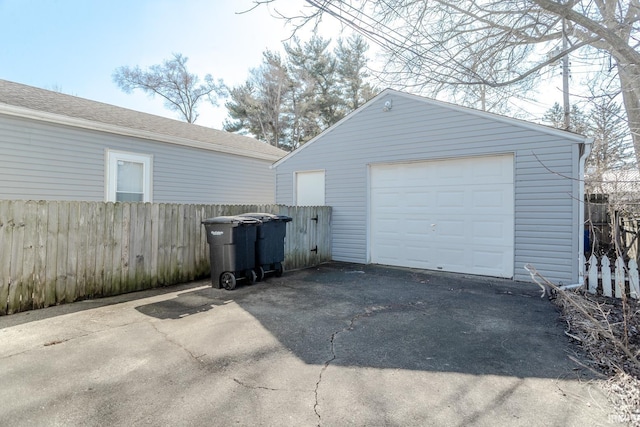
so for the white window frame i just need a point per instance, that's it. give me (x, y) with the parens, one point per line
(111, 178)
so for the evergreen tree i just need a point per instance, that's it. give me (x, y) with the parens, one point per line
(352, 72)
(612, 147)
(258, 107)
(578, 122)
(308, 64)
(288, 102)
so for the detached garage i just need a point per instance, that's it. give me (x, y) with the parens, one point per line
(420, 183)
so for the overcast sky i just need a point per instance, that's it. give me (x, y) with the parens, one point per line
(74, 46)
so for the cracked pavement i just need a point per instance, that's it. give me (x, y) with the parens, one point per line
(341, 344)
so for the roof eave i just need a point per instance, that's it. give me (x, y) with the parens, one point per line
(329, 129)
(514, 122)
(497, 117)
(27, 113)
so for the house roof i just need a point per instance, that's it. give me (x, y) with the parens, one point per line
(491, 116)
(27, 101)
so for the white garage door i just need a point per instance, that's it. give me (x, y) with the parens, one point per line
(451, 215)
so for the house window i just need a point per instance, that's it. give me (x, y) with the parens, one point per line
(128, 177)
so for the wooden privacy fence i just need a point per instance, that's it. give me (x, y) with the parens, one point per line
(57, 252)
(612, 279)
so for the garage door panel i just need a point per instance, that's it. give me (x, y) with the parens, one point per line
(386, 177)
(414, 171)
(452, 215)
(490, 231)
(415, 224)
(486, 261)
(450, 199)
(490, 198)
(414, 264)
(417, 199)
(389, 233)
(450, 229)
(415, 260)
(390, 260)
(417, 253)
(453, 259)
(446, 173)
(498, 170)
(386, 198)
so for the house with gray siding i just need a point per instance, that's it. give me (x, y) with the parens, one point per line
(420, 183)
(59, 147)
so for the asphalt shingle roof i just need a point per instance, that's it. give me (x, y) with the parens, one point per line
(47, 101)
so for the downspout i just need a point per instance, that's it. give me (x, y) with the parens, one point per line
(586, 150)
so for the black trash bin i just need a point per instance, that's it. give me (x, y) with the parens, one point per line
(232, 247)
(269, 242)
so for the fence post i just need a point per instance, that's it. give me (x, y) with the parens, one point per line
(593, 274)
(634, 284)
(606, 276)
(620, 273)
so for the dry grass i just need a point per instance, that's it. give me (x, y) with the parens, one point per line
(606, 328)
(608, 332)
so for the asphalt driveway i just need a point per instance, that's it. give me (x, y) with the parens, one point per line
(342, 344)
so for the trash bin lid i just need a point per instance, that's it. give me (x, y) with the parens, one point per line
(232, 219)
(284, 218)
(262, 216)
(266, 217)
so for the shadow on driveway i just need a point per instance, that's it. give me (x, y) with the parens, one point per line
(394, 318)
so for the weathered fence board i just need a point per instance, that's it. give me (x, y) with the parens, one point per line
(54, 252)
(100, 216)
(6, 235)
(51, 261)
(616, 281)
(41, 254)
(61, 251)
(29, 258)
(108, 241)
(17, 256)
(634, 279)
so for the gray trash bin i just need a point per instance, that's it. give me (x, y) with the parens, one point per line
(232, 243)
(269, 242)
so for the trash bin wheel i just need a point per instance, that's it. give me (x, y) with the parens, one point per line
(260, 274)
(251, 276)
(228, 280)
(279, 269)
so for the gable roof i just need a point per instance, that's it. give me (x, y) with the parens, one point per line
(30, 102)
(491, 116)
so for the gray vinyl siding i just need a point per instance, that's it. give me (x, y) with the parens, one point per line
(546, 212)
(44, 161)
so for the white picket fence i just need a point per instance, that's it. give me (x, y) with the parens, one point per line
(613, 281)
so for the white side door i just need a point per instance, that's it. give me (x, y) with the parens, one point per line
(309, 188)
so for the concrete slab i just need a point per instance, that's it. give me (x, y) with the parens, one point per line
(337, 345)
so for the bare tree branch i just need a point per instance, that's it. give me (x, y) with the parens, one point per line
(493, 49)
(172, 81)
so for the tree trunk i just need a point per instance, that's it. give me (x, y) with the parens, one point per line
(629, 83)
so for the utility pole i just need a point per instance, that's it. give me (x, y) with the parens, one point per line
(565, 78)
